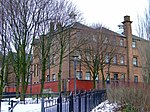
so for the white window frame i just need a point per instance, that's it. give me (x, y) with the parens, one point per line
(135, 61)
(106, 40)
(136, 79)
(123, 76)
(53, 77)
(88, 76)
(79, 75)
(53, 59)
(121, 42)
(107, 58)
(122, 60)
(115, 59)
(48, 78)
(133, 44)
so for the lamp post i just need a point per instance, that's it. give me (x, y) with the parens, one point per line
(75, 65)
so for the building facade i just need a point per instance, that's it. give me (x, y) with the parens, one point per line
(126, 61)
(127, 64)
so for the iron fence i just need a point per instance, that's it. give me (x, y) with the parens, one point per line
(82, 102)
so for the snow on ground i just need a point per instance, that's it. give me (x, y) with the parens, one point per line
(105, 106)
(24, 108)
(30, 106)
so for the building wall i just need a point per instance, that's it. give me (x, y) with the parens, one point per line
(126, 50)
(83, 31)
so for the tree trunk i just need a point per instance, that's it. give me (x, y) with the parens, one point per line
(103, 78)
(24, 72)
(17, 88)
(43, 75)
(94, 84)
(60, 71)
(94, 77)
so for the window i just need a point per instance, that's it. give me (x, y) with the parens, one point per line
(106, 40)
(87, 76)
(48, 78)
(136, 79)
(87, 55)
(107, 58)
(122, 60)
(133, 44)
(123, 76)
(114, 42)
(48, 63)
(88, 58)
(135, 61)
(115, 76)
(94, 38)
(54, 77)
(115, 59)
(121, 42)
(79, 74)
(53, 59)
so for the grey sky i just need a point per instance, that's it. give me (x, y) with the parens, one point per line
(111, 12)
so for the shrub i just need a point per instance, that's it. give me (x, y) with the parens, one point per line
(131, 98)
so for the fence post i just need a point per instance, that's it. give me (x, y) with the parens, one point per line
(79, 102)
(85, 101)
(97, 97)
(89, 95)
(94, 98)
(11, 107)
(37, 98)
(91, 99)
(71, 103)
(60, 102)
(9, 101)
(42, 105)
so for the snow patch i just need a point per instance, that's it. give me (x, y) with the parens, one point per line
(106, 106)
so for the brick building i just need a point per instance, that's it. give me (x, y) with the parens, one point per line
(126, 64)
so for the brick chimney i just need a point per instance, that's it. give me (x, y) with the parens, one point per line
(128, 33)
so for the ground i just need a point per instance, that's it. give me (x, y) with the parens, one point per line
(31, 106)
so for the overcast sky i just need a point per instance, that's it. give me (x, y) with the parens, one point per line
(111, 12)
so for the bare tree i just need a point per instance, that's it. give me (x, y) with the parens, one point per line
(55, 42)
(99, 52)
(3, 53)
(42, 49)
(24, 19)
(66, 17)
(143, 31)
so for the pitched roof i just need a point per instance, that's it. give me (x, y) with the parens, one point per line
(82, 26)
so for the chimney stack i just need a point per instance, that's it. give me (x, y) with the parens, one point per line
(128, 33)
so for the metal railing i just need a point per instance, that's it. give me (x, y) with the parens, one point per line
(82, 102)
